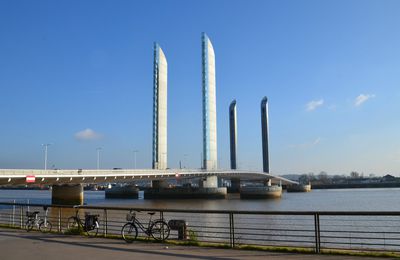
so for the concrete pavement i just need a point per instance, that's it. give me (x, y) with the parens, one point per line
(19, 244)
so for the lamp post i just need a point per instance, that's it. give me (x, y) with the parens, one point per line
(185, 160)
(98, 157)
(45, 154)
(134, 157)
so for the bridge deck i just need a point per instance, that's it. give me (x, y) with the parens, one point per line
(23, 176)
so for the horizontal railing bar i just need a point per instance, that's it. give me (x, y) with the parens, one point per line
(362, 244)
(274, 245)
(279, 240)
(274, 235)
(359, 232)
(361, 238)
(274, 229)
(363, 249)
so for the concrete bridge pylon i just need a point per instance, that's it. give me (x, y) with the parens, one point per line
(67, 194)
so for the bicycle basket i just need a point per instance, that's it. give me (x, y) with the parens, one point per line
(90, 220)
(130, 216)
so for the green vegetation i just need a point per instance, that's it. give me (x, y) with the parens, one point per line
(74, 231)
(193, 237)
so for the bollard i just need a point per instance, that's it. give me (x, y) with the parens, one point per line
(181, 226)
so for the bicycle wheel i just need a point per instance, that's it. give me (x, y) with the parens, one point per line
(129, 232)
(45, 226)
(73, 225)
(93, 230)
(159, 230)
(29, 225)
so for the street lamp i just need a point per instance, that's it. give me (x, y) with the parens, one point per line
(45, 155)
(98, 157)
(134, 157)
(184, 160)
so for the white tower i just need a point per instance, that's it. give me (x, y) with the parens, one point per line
(159, 109)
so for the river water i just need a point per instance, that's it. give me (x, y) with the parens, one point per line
(378, 199)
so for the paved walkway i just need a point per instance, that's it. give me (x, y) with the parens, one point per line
(19, 244)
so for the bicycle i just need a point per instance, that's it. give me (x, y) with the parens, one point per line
(33, 220)
(90, 226)
(158, 228)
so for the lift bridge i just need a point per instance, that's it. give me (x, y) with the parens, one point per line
(59, 177)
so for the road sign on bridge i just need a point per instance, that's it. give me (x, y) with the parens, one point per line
(30, 178)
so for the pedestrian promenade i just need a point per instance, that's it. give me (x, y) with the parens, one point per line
(19, 244)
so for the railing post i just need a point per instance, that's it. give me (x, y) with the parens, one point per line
(317, 234)
(21, 215)
(231, 230)
(59, 220)
(13, 215)
(105, 222)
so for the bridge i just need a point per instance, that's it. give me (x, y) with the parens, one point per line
(67, 184)
(59, 177)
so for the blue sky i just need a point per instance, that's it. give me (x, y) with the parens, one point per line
(78, 74)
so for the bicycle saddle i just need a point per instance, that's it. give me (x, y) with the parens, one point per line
(151, 213)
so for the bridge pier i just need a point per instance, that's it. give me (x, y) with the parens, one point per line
(208, 189)
(235, 186)
(261, 192)
(67, 194)
(129, 191)
(209, 182)
(159, 184)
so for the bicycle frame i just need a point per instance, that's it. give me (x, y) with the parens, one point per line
(35, 219)
(141, 226)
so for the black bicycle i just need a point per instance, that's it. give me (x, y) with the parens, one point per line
(43, 224)
(158, 228)
(90, 225)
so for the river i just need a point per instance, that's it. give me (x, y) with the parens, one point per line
(374, 199)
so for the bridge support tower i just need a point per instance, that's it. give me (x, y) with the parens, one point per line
(268, 190)
(235, 182)
(67, 194)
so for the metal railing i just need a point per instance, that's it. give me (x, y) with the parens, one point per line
(312, 230)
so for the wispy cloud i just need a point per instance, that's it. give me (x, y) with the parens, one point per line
(362, 98)
(312, 105)
(309, 144)
(87, 134)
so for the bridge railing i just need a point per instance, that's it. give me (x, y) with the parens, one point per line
(310, 231)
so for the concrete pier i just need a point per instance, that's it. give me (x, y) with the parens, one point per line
(186, 193)
(235, 186)
(67, 194)
(261, 192)
(209, 182)
(122, 192)
(299, 188)
(160, 184)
